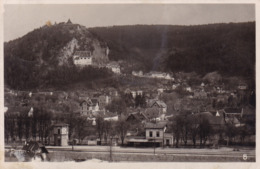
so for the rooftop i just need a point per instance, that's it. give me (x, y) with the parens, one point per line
(158, 125)
(60, 125)
(82, 53)
(233, 110)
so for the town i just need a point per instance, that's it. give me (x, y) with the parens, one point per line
(179, 110)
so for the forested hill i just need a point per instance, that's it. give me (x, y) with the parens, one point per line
(227, 48)
(43, 57)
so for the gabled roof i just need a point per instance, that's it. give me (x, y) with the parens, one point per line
(94, 101)
(138, 116)
(232, 120)
(90, 102)
(233, 110)
(158, 125)
(151, 113)
(82, 53)
(113, 64)
(60, 125)
(160, 103)
(81, 103)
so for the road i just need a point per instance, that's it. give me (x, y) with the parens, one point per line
(223, 151)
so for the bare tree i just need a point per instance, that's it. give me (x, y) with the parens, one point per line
(20, 129)
(122, 127)
(100, 126)
(204, 130)
(194, 127)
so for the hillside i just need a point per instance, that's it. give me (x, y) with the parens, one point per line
(227, 48)
(43, 57)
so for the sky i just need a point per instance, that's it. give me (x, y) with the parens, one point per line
(23, 18)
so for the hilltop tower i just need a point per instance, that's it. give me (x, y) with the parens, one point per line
(69, 22)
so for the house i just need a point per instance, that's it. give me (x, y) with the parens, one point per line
(137, 117)
(160, 90)
(162, 75)
(93, 105)
(154, 114)
(188, 88)
(83, 97)
(113, 118)
(112, 92)
(234, 121)
(175, 85)
(230, 112)
(83, 107)
(158, 104)
(89, 106)
(155, 135)
(242, 86)
(114, 66)
(137, 73)
(133, 93)
(154, 132)
(82, 58)
(104, 100)
(60, 134)
(200, 94)
(139, 92)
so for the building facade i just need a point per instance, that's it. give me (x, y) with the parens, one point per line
(60, 134)
(82, 58)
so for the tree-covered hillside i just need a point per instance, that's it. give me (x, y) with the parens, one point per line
(43, 57)
(227, 48)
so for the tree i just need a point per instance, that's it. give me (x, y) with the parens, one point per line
(122, 127)
(231, 131)
(117, 105)
(100, 126)
(204, 130)
(129, 100)
(177, 128)
(81, 128)
(194, 127)
(107, 125)
(20, 121)
(185, 122)
(27, 126)
(72, 121)
(140, 101)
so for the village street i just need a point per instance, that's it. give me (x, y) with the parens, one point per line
(221, 152)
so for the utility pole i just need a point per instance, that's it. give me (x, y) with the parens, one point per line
(110, 151)
(73, 145)
(154, 146)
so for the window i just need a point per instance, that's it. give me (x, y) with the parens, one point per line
(58, 131)
(151, 134)
(157, 134)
